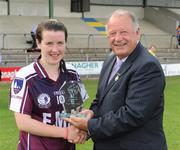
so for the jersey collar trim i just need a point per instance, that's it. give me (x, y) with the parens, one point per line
(40, 70)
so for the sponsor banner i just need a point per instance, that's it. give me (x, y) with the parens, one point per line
(88, 68)
(8, 73)
(94, 68)
(171, 69)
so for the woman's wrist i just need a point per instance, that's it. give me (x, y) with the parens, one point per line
(65, 133)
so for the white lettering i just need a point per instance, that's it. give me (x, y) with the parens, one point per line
(58, 122)
(60, 99)
(46, 118)
(9, 74)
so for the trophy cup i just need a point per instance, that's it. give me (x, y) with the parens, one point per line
(73, 94)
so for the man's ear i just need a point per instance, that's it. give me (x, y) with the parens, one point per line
(138, 33)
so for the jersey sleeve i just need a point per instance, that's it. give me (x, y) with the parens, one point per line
(19, 96)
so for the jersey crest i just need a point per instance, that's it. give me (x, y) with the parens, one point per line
(17, 86)
(44, 100)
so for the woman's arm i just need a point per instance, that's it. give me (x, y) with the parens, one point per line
(26, 123)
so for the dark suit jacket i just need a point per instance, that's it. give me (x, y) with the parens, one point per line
(129, 110)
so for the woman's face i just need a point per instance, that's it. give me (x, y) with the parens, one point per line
(52, 47)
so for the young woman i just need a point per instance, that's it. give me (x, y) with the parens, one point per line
(35, 96)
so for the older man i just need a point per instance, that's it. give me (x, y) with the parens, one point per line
(127, 113)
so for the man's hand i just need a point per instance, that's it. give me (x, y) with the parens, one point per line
(81, 123)
(89, 113)
(75, 135)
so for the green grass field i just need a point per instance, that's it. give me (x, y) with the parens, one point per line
(9, 132)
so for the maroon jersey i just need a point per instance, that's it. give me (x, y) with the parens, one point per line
(35, 94)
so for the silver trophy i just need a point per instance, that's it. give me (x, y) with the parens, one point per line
(73, 95)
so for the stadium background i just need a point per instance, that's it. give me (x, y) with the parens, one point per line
(87, 47)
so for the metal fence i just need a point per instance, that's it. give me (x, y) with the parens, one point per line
(92, 41)
(82, 47)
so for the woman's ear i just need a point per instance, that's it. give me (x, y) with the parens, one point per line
(38, 44)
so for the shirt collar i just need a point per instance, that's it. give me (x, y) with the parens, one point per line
(40, 70)
(121, 60)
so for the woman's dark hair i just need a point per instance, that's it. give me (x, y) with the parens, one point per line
(50, 25)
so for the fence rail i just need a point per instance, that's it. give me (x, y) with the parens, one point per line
(82, 47)
(19, 40)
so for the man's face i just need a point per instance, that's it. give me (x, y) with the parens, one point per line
(52, 47)
(122, 35)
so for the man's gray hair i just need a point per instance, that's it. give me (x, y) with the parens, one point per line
(121, 12)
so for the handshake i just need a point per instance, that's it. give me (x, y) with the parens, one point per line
(77, 132)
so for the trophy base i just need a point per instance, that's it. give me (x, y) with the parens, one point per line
(73, 114)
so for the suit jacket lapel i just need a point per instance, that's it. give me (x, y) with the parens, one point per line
(107, 73)
(125, 66)
(123, 69)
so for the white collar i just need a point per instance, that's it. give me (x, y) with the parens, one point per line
(121, 60)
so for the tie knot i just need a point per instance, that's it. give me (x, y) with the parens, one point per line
(118, 63)
(116, 67)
